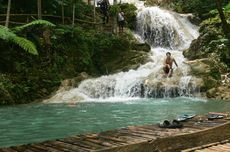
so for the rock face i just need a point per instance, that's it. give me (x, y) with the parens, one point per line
(215, 85)
(68, 84)
(125, 60)
(221, 92)
(157, 86)
(203, 69)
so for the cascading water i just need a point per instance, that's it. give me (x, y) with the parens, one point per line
(164, 31)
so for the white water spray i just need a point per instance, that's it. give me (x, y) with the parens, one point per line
(165, 31)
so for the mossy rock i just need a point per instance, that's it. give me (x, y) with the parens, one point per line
(5, 97)
(210, 83)
(205, 69)
(141, 47)
(124, 61)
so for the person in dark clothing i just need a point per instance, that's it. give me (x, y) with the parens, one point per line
(104, 6)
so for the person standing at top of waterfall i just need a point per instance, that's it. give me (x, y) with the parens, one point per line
(168, 62)
(121, 21)
(104, 6)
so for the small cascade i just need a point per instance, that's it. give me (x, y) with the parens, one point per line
(184, 88)
(166, 31)
(158, 28)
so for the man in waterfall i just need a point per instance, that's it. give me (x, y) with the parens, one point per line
(168, 62)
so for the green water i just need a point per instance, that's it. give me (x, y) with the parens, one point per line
(39, 122)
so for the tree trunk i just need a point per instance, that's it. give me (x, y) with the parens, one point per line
(115, 19)
(39, 5)
(94, 11)
(74, 6)
(62, 12)
(8, 14)
(222, 17)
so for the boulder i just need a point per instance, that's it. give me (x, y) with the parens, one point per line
(68, 84)
(141, 47)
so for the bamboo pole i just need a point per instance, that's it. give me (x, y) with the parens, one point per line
(62, 12)
(8, 13)
(73, 18)
(39, 5)
(94, 10)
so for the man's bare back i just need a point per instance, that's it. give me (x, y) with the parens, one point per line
(168, 62)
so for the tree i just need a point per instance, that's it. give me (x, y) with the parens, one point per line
(62, 12)
(39, 5)
(8, 13)
(115, 18)
(222, 16)
(74, 7)
(62, 3)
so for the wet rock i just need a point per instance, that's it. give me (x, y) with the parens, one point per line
(141, 47)
(211, 93)
(221, 93)
(5, 97)
(194, 19)
(125, 61)
(205, 69)
(74, 82)
(199, 66)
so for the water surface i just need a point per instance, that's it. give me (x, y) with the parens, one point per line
(39, 122)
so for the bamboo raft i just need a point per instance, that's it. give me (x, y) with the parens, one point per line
(196, 132)
(223, 146)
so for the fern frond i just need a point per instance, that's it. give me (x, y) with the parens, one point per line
(7, 35)
(25, 44)
(33, 23)
(4, 33)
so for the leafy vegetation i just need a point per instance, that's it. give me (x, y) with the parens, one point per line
(25, 44)
(33, 23)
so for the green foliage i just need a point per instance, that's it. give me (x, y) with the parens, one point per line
(114, 9)
(25, 44)
(33, 23)
(227, 7)
(130, 14)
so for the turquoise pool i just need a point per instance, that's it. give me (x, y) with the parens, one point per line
(38, 122)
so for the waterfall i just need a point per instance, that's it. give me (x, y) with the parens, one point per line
(165, 31)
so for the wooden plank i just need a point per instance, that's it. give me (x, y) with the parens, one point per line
(112, 138)
(21, 149)
(212, 148)
(227, 144)
(7, 150)
(99, 142)
(45, 148)
(32, 148)
(80, 148)
(146, 129)
(224, 147)
(205, 150)
(65, 146)
(77, 142)
(144, 132)
(144, 137)
(92, 145)
(132, 136)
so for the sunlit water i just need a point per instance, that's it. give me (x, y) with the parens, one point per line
(39, 122)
